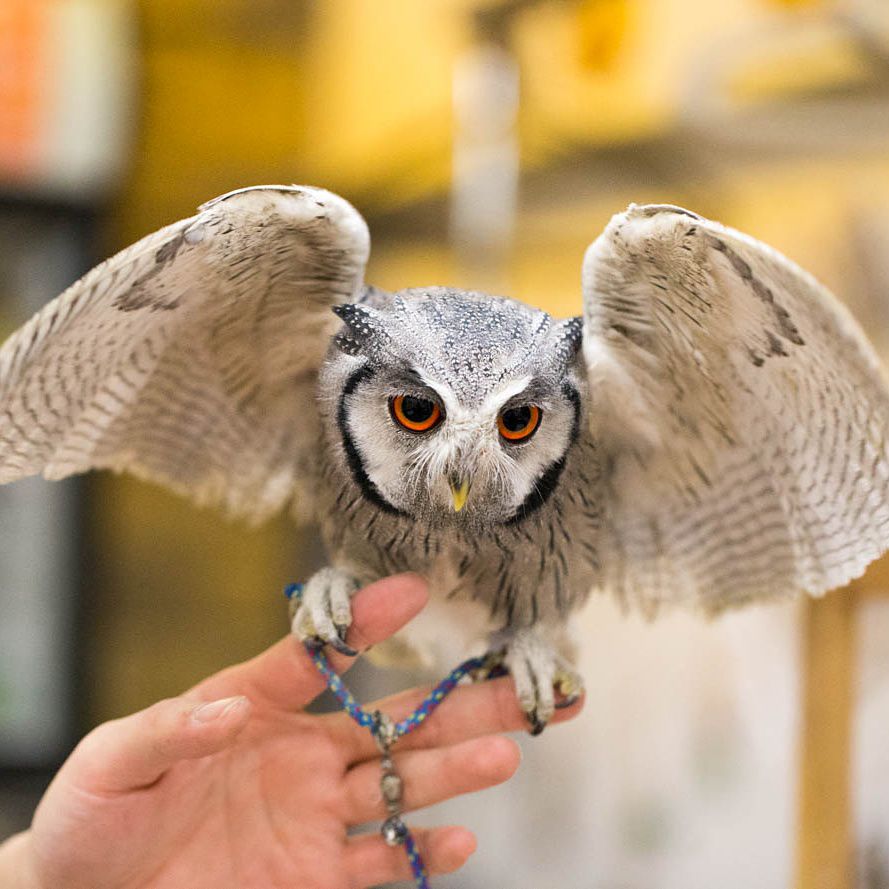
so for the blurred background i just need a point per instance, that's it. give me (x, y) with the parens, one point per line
(487, 143)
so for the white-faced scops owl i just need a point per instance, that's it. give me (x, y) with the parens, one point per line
(710, 431)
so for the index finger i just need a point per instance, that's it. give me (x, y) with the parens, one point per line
(284, 675)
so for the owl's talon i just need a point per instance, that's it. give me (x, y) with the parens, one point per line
(336, 643)
(322, 612)
(543, 679)
(317, 642)
(493, 667)
(568, 686)
(565, 702)
(537, 725)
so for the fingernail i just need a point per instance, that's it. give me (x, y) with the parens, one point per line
(216, 709)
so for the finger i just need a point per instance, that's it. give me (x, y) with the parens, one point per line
(431, 776)
(284, 674)
(485, 708)
(369, 861)
(134, 752)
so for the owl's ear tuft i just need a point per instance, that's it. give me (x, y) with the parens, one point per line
(565, 340)
(364, 332)
(346, 344)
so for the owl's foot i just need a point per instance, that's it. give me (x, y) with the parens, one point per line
(324, 610)
(544, 680)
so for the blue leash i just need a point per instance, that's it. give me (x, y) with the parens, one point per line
(386, 732)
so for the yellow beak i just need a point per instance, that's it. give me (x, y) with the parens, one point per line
(459, 491)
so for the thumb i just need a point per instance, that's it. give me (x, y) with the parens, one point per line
(134, 752)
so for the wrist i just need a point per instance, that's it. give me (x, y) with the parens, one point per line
(17, 869)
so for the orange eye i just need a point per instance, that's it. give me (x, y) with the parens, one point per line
(519, 423)
(414, 414)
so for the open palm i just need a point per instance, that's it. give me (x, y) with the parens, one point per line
(232, 786)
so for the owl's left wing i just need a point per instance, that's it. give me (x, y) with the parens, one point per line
(742, 417)
(190, 358)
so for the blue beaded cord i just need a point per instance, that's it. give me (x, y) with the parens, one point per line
(385, 733)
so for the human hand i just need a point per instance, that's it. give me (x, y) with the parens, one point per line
(232, 786)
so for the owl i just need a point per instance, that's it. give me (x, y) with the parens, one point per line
(711, 430)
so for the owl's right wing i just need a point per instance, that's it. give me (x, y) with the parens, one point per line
(741, 417)
(190, 358)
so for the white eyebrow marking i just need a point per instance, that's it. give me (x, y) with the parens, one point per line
(496, 398)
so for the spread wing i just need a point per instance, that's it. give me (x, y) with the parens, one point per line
(190, 358)
(742, 416)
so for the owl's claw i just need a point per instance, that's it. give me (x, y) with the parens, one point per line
(544, 681)
(565, 703)
(318, 642)
(323, 612)
(341, 631)
(537, 726)
(336, 643)
(568, 686)
(493, 667)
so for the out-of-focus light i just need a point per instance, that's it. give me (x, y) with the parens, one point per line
(65, 74)
(602, 26)
(486, 159)
(800, 4)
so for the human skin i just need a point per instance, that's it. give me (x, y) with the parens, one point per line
(233, 786)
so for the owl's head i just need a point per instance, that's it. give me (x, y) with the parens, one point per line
(454, 406)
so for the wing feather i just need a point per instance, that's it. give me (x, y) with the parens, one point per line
(190, 357)
(743, 415)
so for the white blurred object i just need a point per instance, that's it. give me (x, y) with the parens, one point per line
(486, 152)
(872, 16)
(847, 113)
(66, 83)
(680, 773)
(871, 752)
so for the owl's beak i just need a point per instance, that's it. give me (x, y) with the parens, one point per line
(459, 492)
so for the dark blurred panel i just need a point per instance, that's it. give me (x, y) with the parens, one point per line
(65, 73)
(41, 251)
